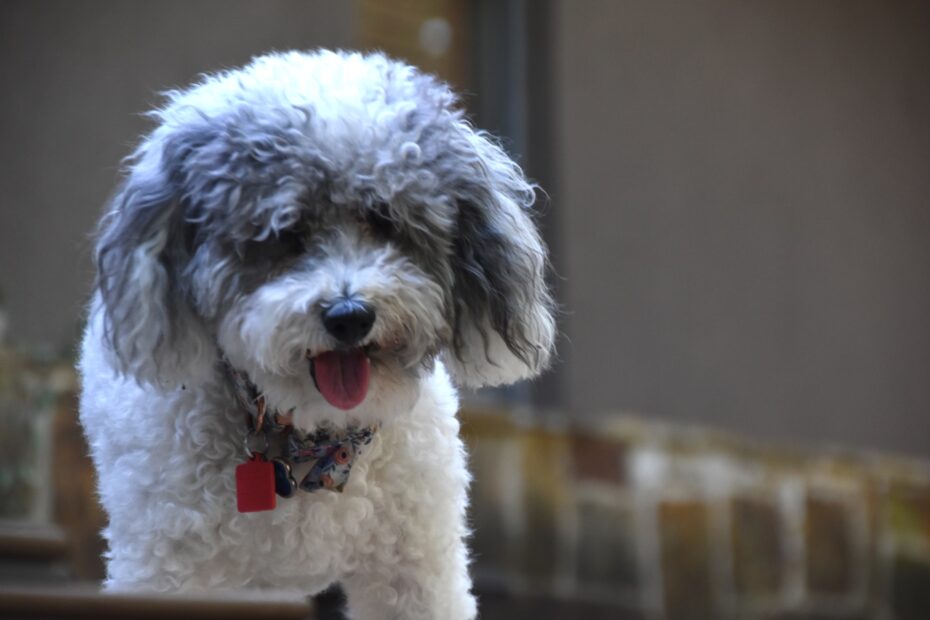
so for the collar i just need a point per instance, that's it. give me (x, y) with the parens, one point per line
(325, 454)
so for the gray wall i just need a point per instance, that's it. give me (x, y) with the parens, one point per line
(743, 211)
(76, 76)
(740, 192)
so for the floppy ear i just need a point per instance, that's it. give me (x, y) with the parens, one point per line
(504, 328)
(152, 332)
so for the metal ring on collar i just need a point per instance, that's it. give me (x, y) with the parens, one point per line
(248, 444)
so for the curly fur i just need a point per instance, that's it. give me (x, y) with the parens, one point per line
(263, 194)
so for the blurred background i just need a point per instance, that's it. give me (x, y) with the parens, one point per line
(738, 212)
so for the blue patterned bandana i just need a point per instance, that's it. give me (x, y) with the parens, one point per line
(326, 453)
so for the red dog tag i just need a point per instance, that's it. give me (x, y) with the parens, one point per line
(255, 485)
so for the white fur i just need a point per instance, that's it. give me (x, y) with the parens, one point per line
(248, 156)
(166, 463)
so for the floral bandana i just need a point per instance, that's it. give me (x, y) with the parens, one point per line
(331, 456)
(329, 453)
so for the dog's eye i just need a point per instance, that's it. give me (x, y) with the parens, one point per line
(290, 242)
(278, 246)
(379, 218)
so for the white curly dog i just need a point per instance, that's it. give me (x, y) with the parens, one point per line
(305, 256)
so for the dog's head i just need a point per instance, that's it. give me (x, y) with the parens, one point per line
(331, 223)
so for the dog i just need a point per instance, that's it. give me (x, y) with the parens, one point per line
(305, 259)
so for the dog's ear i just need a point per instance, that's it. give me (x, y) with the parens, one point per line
(504, 327)
(152, 332)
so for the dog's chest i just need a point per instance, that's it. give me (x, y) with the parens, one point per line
(311, 536)
(315, 536)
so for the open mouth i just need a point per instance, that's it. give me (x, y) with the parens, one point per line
(342, 376)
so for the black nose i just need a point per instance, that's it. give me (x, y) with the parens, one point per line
(349, 320)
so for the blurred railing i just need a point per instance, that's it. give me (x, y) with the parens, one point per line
(659, 521)
(86, 601)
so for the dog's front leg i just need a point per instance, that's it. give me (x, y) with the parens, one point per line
(422, 591)
(421, 575)
(415, 563)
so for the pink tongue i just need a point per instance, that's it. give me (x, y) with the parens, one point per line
(342, 377)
